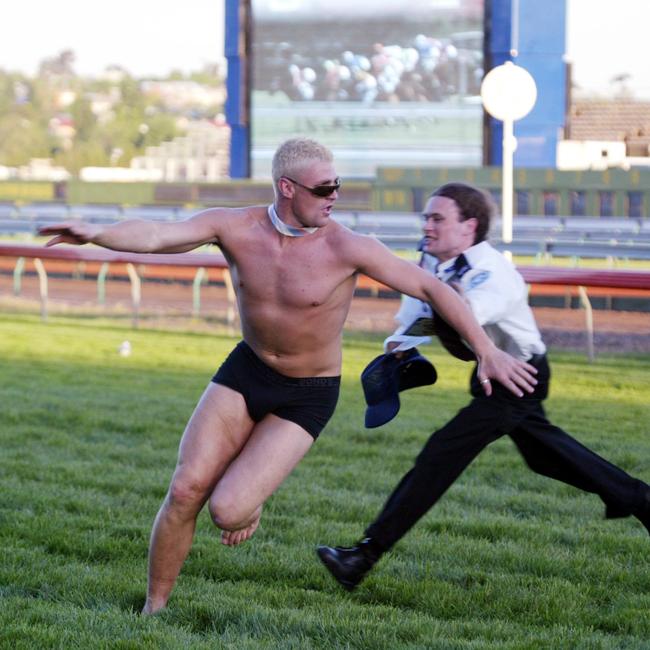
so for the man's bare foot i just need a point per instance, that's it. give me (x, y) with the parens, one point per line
(234, 537)
(150, 609)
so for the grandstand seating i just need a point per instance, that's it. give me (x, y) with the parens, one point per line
(599, 237)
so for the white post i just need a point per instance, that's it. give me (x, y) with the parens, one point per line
(507, 184)
(508, 93)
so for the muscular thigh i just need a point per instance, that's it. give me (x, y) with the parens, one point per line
(216, 432)
(273, 449)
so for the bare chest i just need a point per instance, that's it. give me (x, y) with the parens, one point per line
(293, 275)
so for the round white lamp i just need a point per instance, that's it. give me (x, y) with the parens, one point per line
(508, 93)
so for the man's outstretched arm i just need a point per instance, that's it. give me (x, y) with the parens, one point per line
(380, 264)
(140, 235)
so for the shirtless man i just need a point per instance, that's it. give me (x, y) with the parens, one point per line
(294, 270)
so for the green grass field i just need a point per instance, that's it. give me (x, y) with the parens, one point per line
(507, 560)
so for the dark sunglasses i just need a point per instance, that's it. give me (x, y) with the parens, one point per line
(319, 190)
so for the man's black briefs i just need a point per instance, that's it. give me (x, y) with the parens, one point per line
(307, 401)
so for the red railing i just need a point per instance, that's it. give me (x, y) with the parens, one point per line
(608, 278)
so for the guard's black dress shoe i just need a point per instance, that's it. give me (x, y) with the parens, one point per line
(348, 565)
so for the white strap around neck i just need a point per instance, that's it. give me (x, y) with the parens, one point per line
(284, 229)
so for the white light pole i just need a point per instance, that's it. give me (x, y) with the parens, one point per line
(508, 93)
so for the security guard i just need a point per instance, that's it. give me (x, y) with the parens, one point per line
(456, 223)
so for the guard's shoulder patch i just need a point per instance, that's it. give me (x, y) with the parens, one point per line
(478, 279)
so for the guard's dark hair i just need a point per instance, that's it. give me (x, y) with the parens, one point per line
(472, 202)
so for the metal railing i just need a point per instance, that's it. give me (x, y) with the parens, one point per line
(570, 277)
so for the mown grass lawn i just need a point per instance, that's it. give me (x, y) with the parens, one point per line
(507, 559)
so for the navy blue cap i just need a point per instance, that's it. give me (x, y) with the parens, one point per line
(385, 376)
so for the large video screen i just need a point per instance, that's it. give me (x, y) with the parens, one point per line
(380, 82)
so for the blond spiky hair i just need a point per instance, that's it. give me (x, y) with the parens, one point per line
(292, 155)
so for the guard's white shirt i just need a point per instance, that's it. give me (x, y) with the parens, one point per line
(497, 296)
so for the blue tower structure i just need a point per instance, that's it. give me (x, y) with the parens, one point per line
(531, 34)
(237, 50)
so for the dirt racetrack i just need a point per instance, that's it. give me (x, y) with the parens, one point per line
(170, 305)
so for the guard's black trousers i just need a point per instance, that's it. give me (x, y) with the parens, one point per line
(546, 448)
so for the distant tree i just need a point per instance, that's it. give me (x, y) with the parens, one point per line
(83, 118)
(124, 129)
(210, 76)
(6, 93)
(162, 127)
(23, 137)
(99, 85)
(30, 107)
(59, 65)
(83, 154)
(130, 91)
(44, 94)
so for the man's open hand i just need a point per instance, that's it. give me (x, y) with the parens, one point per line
(517, 376)
(70, 232)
